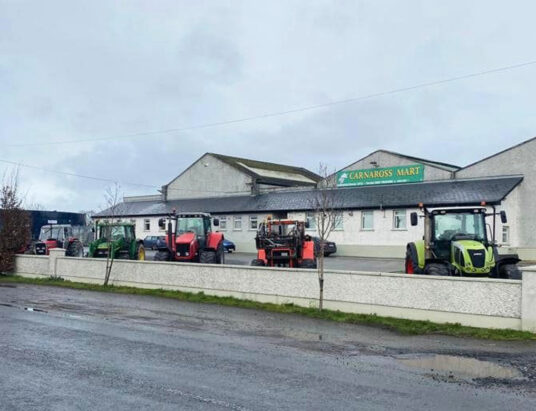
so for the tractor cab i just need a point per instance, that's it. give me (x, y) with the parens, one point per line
(189, 238)
(459, 241)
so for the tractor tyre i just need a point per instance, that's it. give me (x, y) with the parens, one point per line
(207, 257)
(140, 253)
(257, 263)
(437, 269)
(161, 256)
(220, 254)
(75, 249)
(510, 271)
(308, 263)
(411, 264)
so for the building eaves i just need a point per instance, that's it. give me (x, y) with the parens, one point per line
(440, 193)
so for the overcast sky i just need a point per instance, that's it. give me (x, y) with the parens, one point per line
(77, 70)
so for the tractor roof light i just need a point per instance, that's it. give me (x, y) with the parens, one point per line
(483, 203)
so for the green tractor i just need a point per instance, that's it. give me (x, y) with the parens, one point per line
(456, 243)
(118, 240)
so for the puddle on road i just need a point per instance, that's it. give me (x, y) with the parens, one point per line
(462, 367)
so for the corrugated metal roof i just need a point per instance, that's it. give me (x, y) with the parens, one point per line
(431, 193)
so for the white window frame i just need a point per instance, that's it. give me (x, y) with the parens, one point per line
(404, 212)
(363, 213)
(236, 220)
(253, 218)
(505, 230)
(147, 224)
(311, 218)
(223, 219)
(338, 221)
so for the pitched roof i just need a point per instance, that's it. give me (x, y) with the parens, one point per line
(443, 166)
(431, 193)
(265, 171)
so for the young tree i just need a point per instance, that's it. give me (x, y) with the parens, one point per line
(324, 203)
(14, 222)
(112, 198)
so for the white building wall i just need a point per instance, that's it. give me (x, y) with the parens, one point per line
(209, 177)
(522, 201)
(384, 159)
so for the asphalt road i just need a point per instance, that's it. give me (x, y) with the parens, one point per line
(333, 262)
(89, 350)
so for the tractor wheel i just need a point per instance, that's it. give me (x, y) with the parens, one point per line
(140, 253)
(207, 257)
(161, 256)
(308, 263)
(257, 263)
(437, 269)
(411, 265)
(510, 271)
(75, 249)
(220, 255)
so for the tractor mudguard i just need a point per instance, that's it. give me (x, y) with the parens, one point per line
(261, 255)
(214, 240)
(308, 250)
(416, 249)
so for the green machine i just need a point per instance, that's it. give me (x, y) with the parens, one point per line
(457, 241)
(117, 239)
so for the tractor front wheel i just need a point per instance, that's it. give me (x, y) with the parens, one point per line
(140, 253)
(308, 263)
(207, 257)
(510, 272)
(257, 263)
(220, 254)
(437, 269)
(161, 256)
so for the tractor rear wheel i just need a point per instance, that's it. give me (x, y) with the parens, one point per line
(257, 263)
(140, 253)
(510, 271)
(308, 263)
(207, 257)
(75, 249)
(411, 264)
(161, 256)
(437, 269)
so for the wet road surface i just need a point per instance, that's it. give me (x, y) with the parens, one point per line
(69, 349)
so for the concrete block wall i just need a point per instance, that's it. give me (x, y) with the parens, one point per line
(475, 302)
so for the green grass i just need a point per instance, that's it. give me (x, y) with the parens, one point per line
(405, 327)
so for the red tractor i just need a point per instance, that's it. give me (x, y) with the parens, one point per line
(190, 239)
(283, 243)
(58, 236)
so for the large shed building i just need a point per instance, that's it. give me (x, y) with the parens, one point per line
(374, 198)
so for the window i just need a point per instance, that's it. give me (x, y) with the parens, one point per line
(367, 220)
(223, 223)
(399, 219)
(310, 218)
(253, 224)
(506, 234)
(237, 223)
(337, 221)
(147, 225)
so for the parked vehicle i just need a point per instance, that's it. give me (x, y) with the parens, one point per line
(190, 239)
(283, 243)
(329, 247)
(117, 240)
(228, 246)
(160, 242)
(150, 241)
(456, 242)
(58, 236)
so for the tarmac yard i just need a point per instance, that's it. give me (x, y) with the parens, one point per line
(72, 349)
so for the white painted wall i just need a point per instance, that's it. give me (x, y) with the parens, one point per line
(469, 301)
(209, 177)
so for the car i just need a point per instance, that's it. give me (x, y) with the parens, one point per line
(329, 247)
(161, 242)
(151, 240)
(228, 245)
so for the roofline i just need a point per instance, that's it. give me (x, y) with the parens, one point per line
(443, 166)
(498, 153)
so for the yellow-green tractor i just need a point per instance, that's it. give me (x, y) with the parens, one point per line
(456, 242)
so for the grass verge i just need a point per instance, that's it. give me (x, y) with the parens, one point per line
(406, 327)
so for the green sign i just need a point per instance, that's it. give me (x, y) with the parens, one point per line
(387, 175)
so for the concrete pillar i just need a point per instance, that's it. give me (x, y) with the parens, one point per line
(528, 299)
(54, 253)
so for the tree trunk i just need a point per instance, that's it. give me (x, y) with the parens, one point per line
(321, 280)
